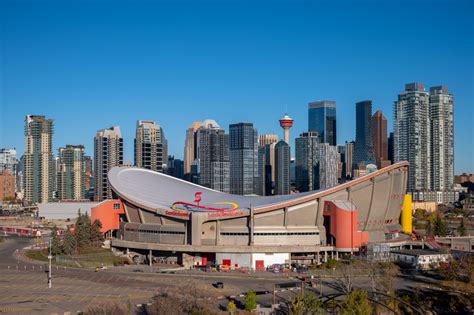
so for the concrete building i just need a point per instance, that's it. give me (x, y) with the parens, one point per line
(150, 146)
(108, 153)
(7, 184)
(167, 220)
(307, 161)
(327, 166)
(379, 139)
(412, 135)
(243, 147)
(282, 168)
(8, 160)
(71, 173)
(213, 156)
(423, 259)
(38, 159)
(442, 135)
(89, 176)
(364, 147)
(190, 152)
(348, 159)
(322, 119)
(267, 138)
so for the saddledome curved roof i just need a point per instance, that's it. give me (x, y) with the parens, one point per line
(156, 191)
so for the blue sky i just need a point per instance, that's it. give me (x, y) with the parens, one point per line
(94, 64)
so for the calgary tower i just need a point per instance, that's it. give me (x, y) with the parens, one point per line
(286, 123)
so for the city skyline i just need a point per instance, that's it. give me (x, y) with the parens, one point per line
(84, 90)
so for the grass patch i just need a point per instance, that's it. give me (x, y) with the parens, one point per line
(37, 254)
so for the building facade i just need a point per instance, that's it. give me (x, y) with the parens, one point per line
(190, 151)
(267, 138)
(150, 146)
(108, 152)
(71, 173)
(322, 119)
(7, 184)
(307, 161)
(38, 163)
(282, 171)
(213, 156)
(379, 138)
(442, 133)
(348, 159)
(327, 166)
(412, 135)
(364, 148)
(8, 160)
(175, 167)
(243, 159)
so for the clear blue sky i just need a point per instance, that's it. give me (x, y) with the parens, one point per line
(94, 64)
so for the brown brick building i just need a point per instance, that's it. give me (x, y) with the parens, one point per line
(379, 139)
(7, 185)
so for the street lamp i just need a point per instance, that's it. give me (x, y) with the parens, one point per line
(50, 257)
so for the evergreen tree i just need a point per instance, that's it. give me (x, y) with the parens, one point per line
(69, 243)
(440, 226)
(82, 231)
(357, 303)
(96, 235)
(56, 247)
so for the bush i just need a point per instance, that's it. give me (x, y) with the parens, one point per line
(250, 301)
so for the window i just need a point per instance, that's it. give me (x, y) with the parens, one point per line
(116, 206)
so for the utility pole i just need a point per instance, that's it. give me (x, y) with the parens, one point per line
(50, 257)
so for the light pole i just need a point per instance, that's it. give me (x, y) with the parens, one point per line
(49, 257)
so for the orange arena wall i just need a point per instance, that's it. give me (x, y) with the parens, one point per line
(108, 212)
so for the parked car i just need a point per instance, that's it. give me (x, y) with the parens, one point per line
(219, 285)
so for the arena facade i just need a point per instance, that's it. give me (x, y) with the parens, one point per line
(167, 217)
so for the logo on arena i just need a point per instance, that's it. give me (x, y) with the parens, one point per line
(223, 206)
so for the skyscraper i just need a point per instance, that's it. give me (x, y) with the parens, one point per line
(442, 133)
(412, 135)
(71, 173)
(190, 151)
(38, 167)
(390, 147)
(379, 139)
(349, 159)
(266, 163)
(267, 138)
(282, 171)
(175, 167)
(307, 161)
(150, 146)
(108, 152)
(364, 148)
(322, 119)
(327, 166)
(243, 159)
(213, 156)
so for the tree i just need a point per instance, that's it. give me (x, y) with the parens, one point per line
(462, 228)
(231, 307)
(56, 247)
(69, 243)
(440, 226)
(250, 301)
(356, 303)
(96, 236)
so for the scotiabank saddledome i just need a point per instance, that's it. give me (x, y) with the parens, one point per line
(163, 213)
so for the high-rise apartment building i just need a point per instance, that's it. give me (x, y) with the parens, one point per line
(213, 156)
(412, 135)
(327, 166)
(150, 146)
(38, 166)
(282, 171)
(108, 152)
(379, 139)
(8, 161)
(307, 161)
(364, 148)
(442, 134)
(190, 147)
(322, 119)
(7, 184)
(243, 159)
(71, 173)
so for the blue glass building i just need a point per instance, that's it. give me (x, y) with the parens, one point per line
(322, 119)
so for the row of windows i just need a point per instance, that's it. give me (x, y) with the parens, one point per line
(153, 231)
(270, 233)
